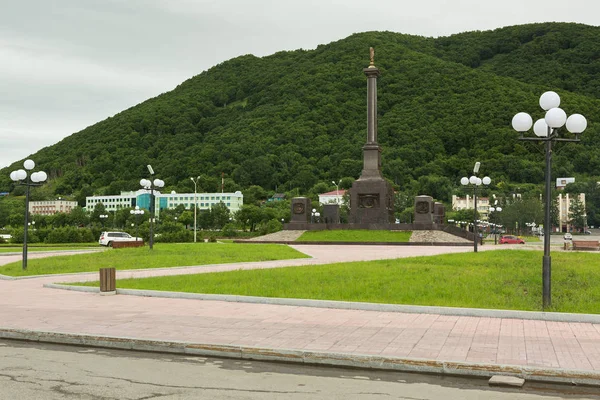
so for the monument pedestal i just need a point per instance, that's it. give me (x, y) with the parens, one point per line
(372, 202)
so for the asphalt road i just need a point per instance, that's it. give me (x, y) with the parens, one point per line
(42, 371)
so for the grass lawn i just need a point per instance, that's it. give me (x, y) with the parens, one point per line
(355, 236)
(502, 279)
(45, 246)
(163, 255)
(19, 249)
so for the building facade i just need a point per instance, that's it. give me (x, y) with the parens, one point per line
(334, 197)
(565, 210)
(468, 202)
(141, 198)
(51, 207)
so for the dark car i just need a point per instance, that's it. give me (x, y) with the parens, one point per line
(510, 239)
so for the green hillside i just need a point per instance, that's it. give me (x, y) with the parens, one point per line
(297, 118)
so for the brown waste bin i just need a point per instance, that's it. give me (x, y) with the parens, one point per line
(108, 280)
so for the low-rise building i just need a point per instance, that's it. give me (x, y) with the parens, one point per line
(51, 207)
(333, 197)
(141, 198)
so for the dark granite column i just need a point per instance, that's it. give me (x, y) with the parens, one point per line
(371, 196)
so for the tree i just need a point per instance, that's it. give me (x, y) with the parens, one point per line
(220, 215)
(577, 214)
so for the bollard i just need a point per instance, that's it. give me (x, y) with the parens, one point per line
(108, 281)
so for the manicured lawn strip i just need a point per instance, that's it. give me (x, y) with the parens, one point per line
(29, 249)
(503, 279)
(46, 245)
(355, 236)
(163, 255)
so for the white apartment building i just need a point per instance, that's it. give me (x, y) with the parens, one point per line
(564, 209)
(51, 207)
(468, 202)
(141, 198)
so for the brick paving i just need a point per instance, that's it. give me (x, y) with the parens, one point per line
(25, 304)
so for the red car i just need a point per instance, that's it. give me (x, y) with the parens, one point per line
(509, 239)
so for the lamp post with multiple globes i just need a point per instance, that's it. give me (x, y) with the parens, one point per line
(28, 180)
(546, 130)
(151, 185)
(475, 182)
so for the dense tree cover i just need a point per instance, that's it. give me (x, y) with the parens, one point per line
(294, 121)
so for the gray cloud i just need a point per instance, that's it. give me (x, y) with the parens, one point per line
(66, 64)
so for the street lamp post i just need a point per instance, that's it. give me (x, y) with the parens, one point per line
(151, 184)
(22, 178)
(474, 181)
(137, 212)
(102, 218)
(494, 210)
(546, 130)
(195, 205)
(337, 191)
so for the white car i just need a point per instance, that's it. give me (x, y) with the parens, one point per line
(107, 238)
(568, 236)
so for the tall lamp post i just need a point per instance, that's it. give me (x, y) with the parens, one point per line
(22, 178)
(494, 210)
(151, 184)
(337, 190)
(137, 212)
(546, 130)
(474, 181)
(103, 217)
(195, 204)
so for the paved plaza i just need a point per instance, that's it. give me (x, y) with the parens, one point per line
(489, 344)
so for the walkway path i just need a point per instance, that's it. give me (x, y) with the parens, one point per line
(568, 351)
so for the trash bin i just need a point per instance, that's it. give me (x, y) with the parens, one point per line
(108, 280)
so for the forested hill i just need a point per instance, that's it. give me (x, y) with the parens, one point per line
(297, 118)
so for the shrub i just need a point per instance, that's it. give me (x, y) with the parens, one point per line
(229, 230)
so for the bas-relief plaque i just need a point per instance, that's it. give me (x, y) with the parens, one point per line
(368, 200)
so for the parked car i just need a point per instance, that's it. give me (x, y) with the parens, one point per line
(107, 238)
(568, 236)
(510, 239)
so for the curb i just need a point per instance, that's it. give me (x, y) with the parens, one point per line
(349, 305)
(302, 242)
(309, 357)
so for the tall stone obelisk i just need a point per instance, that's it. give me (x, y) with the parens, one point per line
(371, 196)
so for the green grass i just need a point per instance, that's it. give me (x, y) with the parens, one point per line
(502, 279)
(19, 249)
(163, 255)
(44, 246)
(355, 236)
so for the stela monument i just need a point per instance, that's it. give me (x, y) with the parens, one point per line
(371, 196)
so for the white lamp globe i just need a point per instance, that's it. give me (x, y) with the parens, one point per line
(464, 181)
(13, 176)
(131, 212)
(576, 123)
(473, 180)
(549, 100)
(487, 180)
(522, 122)
(21, 174)
(159, 183)
(35, 177)
(29, 164)
(540, 128)
(42, 176)
(498, 208)
(478, 183)
(556, 117)
(144, 182)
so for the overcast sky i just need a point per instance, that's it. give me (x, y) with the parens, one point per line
(67, 64)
